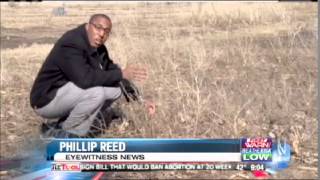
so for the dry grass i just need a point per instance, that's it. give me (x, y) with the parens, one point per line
(216, 70)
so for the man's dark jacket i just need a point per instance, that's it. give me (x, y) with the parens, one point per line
(73, 59)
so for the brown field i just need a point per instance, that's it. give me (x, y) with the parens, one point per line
(216, 70)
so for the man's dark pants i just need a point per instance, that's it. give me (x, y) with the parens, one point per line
(82, 106)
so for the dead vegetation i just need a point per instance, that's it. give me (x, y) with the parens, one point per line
(216, 70)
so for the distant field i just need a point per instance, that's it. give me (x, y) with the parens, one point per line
(216, 70)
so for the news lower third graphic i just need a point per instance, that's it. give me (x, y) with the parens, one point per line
(103, 155)
(167, 154)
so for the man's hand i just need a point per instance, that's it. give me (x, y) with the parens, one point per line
(135, 73)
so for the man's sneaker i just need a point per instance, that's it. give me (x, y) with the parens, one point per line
(57, 124)
(47, 126)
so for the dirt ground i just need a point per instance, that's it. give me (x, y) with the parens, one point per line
(216, 70)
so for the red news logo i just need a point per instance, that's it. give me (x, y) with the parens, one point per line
(258, 143)
(65, 167)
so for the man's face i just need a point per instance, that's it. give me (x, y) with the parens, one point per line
(98, 31)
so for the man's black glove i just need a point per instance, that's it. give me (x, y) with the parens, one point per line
(130, 91)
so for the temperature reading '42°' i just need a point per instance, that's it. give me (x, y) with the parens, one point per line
(240, 167)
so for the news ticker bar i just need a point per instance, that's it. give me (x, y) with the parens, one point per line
(88, 167)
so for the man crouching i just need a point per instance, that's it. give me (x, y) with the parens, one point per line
(78, 78)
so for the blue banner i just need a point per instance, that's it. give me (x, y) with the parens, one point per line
(143, 145)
